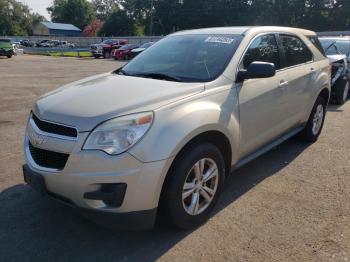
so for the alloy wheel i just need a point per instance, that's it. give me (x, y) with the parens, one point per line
(318, 119)
(200, 186)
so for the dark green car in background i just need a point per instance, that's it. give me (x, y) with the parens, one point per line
(6, 48)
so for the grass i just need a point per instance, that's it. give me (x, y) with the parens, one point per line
(63, 54)
(72, 54)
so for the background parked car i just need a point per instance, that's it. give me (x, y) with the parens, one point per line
(27, 43)
(40, 43)
(339, 61)
(65, 44)
(105, 48)
(50, 43)
(124, 53)
(142, 48)
(6, 48)
(341, 44)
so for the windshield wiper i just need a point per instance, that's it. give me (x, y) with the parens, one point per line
(160, 76)
(121, 71)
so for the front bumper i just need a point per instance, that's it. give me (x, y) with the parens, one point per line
(88, 172)
(130, 220)
(96, 52)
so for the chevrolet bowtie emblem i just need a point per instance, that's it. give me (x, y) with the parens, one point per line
(37, 139)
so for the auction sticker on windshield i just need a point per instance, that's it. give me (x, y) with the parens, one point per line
(219, 39)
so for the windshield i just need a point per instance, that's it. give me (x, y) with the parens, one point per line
(147, 45)
(109, 42)
(126, 47)
(189, 58)
(341, 45)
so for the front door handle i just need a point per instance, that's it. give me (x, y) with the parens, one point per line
(283, 84)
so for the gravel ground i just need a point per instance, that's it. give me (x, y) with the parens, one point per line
(292, 204)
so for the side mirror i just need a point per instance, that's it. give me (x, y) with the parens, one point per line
(256, 70)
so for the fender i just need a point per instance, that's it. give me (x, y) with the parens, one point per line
(176, 125)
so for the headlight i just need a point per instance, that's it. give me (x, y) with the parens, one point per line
(119, 134)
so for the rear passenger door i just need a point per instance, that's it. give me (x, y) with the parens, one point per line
(262, 101)
(302, 71)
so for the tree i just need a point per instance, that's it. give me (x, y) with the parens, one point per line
(105, 7)
(93, 28)
(16, 18)
(119, 23)
(77, 12)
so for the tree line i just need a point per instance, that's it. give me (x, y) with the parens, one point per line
(161, 17)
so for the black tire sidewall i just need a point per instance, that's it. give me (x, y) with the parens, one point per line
(174, 186)
(338, 91)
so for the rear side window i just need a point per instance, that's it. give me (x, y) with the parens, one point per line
(263, 49)
(295, 51)
(316, 42)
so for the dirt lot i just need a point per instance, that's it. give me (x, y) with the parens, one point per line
(292, 204)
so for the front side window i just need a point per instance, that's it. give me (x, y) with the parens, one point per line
(263, 49)
(295, 51)
(187, 58)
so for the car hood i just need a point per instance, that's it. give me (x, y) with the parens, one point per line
(136, 50)
(88, 102)
(335, 58)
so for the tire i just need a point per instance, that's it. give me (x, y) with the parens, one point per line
(315, 123)
(340, 91)
(182, 213)
(9, 55)
(96, 56)
(106, 55)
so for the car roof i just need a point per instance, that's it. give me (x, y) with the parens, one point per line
(242, 30)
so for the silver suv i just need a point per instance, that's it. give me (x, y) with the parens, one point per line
(164, 132)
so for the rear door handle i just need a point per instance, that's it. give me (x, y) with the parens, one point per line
(283, 84)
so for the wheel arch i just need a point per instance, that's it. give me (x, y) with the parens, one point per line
(215, 137)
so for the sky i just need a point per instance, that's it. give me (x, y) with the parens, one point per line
(39, 6)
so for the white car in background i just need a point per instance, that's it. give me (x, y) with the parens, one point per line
(140, 49)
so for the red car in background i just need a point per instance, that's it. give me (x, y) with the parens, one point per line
(124, 52)
(105, 48)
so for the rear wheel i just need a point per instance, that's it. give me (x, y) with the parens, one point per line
(193, 186)
(340, 91)
(96, 56)
(315, 123)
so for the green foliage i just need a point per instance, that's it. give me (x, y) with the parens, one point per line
(119, 23)
(129, 17)
(105, 7)
(173, 15)
(77, 12)
(16, 18)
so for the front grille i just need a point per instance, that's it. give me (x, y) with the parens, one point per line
(55, 128)
(48, 159)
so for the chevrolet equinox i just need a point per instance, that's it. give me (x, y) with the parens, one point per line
(165, 131)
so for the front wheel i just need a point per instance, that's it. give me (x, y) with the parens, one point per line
(193, 186)
(315, 123)
(9, 55)
(106, 54)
